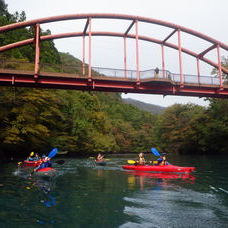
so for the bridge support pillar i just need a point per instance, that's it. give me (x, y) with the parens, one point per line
(219, 68)
(90, 35)
(125, 57)
(37, 51)
(198, 69)
(180, 59)
(137, 51)
(83, 55)
(163, 60)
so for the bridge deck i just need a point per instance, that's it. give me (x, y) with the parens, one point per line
(153, 85)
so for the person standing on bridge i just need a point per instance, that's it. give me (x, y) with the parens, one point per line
(156, 72)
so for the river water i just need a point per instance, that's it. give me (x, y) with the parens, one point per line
(81, 194)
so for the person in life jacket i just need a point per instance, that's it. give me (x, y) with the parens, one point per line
(44, 164)
(141, 160)
(162, 160)
(100, 158)
(36, 157)
(31, 157)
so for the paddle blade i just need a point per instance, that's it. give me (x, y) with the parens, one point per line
(130, 161)
(155, 152)
(53, 153)
(19, 164)
(31, 154)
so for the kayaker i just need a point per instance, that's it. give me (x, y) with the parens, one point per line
(45, 163)
(31, 157)
(162, 160)
(100, 157)
(37, 157)
(141, 159)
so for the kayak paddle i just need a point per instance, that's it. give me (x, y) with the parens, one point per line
(155, 151)
(131, 162)
(53, 153)
(59, 162)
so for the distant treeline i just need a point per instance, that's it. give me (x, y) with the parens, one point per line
(91, 122)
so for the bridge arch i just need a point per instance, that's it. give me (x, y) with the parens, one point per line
(215, 44)
(81, 34)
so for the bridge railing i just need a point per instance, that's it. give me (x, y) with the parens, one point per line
(131, 74)
(16, 65)
(153, 74)
(117, 73)
(78, 70)
(209, 80)
(194, 79)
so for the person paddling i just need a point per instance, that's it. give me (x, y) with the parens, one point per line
(162, 160)
(100, 158)
(44, 164)
(31, 157)
(37, 157)
(141, 159)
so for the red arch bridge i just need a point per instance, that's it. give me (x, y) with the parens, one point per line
(151, 81)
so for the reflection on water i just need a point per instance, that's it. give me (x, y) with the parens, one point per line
(82, 194)
(142, 179)
(44, 185)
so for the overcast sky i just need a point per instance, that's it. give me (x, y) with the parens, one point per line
(206, 16)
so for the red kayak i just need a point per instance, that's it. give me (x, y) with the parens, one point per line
(32, 163)
(46, 171)
(159, 168)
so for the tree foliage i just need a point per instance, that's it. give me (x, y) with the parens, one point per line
(194, 129)
(91, 122)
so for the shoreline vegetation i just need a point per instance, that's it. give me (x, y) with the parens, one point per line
(87, 123)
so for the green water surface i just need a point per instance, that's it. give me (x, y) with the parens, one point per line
(81, 194)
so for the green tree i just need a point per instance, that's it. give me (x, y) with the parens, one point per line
(175, 128)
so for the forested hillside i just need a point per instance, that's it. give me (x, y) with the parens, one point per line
(91, 122)
(155, 109)
(74, 121)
